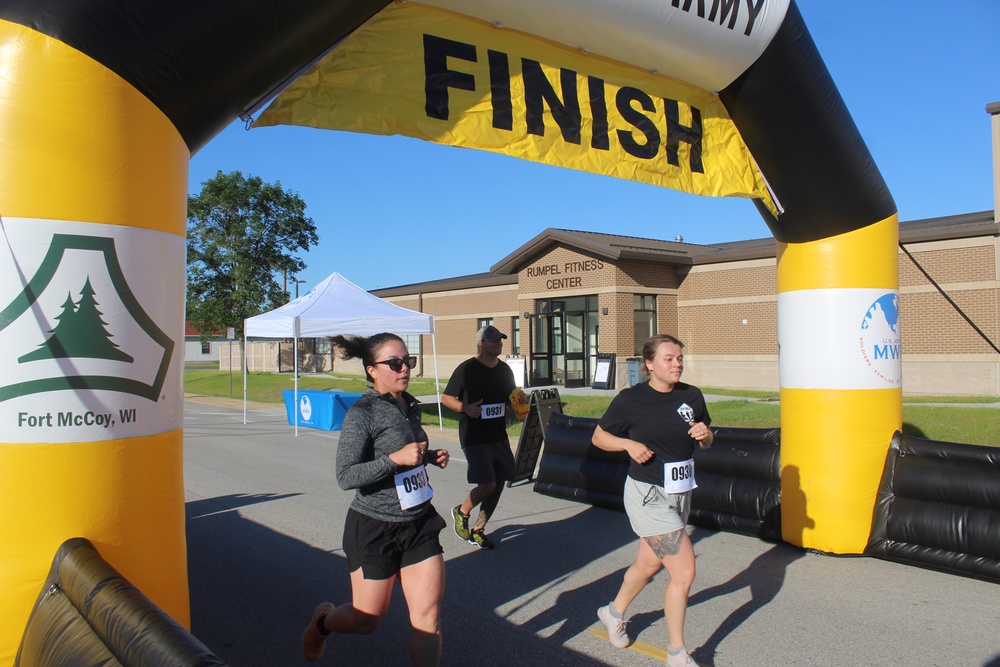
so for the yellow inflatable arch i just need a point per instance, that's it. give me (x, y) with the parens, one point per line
(102, 104)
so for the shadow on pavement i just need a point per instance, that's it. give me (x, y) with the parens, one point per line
(763, 578)
(253, 590)
(529, 561)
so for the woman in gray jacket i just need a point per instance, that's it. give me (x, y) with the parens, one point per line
(391, 528)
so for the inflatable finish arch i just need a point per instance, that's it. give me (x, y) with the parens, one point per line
(102, 104)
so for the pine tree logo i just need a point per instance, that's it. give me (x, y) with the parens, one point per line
(80, 333)
(81, 330)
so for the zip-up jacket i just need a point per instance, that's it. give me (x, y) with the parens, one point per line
(373, 428)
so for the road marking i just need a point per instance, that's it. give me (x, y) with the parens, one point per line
(639, 647)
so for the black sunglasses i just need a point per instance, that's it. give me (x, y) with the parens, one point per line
(396, 365)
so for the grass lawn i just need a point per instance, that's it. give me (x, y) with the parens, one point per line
(267, 387)
(979, 426)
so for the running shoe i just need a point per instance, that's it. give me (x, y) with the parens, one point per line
(682, 660)
(313, 642)
(480, 540)
(461, 523)
(616, 628)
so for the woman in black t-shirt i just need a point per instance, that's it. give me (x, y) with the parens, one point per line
(658, 423)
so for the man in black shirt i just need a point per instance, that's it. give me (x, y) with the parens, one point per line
(480, 391)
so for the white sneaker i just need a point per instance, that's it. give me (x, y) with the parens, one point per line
(616, 628)
(682, 660)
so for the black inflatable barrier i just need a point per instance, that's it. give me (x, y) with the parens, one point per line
(573, 469)
(938, 506)
(739, 483)
(739, 477)
(89, 614)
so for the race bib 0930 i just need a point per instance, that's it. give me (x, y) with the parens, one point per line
(413, 487)
(678, 476)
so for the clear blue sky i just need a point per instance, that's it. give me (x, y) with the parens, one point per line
(916, 76)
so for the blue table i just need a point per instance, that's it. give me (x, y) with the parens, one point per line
(324, 410)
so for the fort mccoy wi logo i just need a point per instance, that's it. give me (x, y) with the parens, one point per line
(84, 353)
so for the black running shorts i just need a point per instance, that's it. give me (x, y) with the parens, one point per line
(382, 548)
(493, 462)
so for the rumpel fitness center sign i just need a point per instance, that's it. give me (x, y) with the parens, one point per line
(568, 267)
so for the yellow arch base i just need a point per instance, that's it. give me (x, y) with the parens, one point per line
(833, 448)
(125, 496)
(834, 440)
(80, 144)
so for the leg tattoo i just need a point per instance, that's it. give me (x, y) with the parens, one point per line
(488, 506)
(666, 545)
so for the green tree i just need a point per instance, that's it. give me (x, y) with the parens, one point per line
(242, 237)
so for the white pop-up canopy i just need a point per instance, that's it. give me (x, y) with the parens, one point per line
(336, 306)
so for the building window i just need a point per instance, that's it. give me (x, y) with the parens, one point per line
(206, 347)
(645, 319)
(515, 335)
(412, 342)
(322, 346)
(483, 322)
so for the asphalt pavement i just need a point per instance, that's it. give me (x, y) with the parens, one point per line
(264, 527)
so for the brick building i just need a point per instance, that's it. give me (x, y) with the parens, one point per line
(566, 296)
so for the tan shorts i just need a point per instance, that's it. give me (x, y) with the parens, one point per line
(653, 512)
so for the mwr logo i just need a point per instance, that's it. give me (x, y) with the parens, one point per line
(305, 408)
(76, 325)
(879, 339)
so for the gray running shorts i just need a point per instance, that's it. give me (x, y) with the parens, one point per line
(653, 512)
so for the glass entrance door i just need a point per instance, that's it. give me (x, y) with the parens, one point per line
(563, 341)
(541, 350)
(575, 344)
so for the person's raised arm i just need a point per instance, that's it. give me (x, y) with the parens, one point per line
(702, 433)
(469, 409)
(355, 466)
(637, 451)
